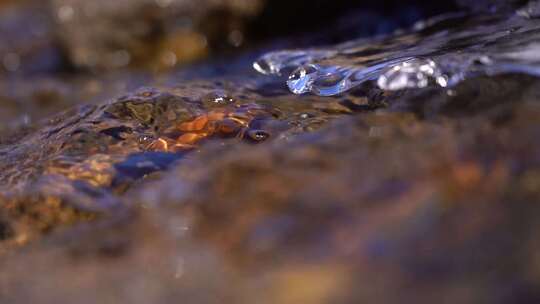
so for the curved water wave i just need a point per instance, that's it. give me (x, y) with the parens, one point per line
(441, 51)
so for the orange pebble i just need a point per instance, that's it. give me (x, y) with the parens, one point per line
(215, 115)
(195, 125)
(159, 145)
(190, 138)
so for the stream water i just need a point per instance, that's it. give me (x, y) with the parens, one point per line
(441, 51)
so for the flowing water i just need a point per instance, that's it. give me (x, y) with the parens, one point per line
(441, 51)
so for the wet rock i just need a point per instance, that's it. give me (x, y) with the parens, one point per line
(90, 153)
(414, 200)
(384, 205)
(214, 188)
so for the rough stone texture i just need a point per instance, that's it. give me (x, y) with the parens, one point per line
(91, 152)
(205, 188)
(435, 195)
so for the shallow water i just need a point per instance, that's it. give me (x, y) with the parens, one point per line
(442, 51)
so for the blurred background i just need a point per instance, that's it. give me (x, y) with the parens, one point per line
(61, 36)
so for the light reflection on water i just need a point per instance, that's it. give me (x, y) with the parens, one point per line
(441, 51)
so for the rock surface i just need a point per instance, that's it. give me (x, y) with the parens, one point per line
(217, 185)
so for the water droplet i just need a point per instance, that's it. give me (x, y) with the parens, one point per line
(301, 80)
(257, 135)
(324, 81)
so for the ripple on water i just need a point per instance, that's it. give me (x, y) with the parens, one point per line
(442, 51)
